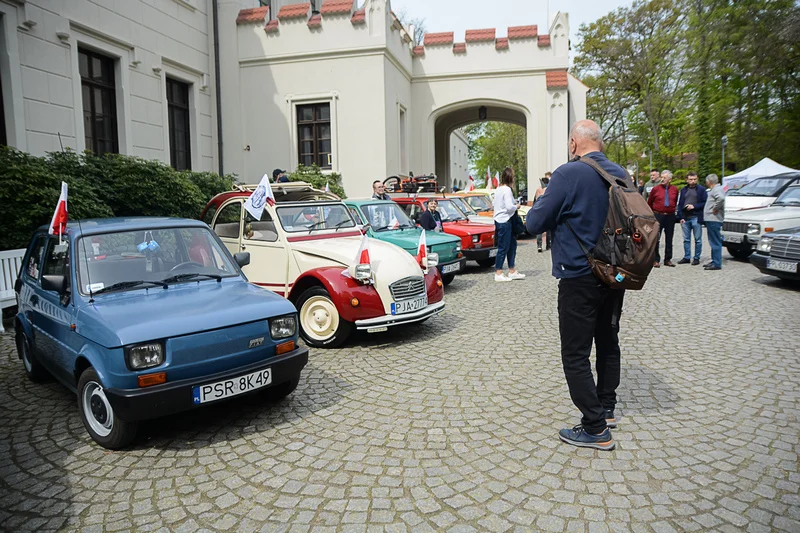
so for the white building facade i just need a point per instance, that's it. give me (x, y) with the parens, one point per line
(246, 86)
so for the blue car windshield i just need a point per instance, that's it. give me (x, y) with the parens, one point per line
(118, 259)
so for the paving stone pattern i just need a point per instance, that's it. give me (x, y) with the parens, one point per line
(451, 426)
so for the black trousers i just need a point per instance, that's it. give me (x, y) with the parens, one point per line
(667, 223)
(589, 311)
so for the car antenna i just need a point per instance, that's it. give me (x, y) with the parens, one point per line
(86, 257)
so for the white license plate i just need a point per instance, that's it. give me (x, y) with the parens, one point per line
(733, 238)
(455, 267)
(493, 253)
(231, 387)
(409, 306)
(783, 266)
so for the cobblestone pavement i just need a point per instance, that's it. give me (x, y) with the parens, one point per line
(451, 426)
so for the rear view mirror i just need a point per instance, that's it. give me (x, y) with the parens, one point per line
(55, 283)
(242, 259)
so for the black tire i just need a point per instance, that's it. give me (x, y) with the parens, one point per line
(325, 334)
(99, 419)
(33, 368)
(485, 263)
(447, 279)
(739, 254)
(278, 393)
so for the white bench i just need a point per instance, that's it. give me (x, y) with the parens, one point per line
(10, 263)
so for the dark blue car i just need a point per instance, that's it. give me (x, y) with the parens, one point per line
(144, 317)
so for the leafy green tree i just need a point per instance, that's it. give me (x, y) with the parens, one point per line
(497, 145)
(314, 176)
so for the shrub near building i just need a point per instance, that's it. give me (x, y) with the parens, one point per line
(99, 186)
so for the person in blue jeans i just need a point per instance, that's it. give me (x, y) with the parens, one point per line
(691, 203)
(714, 215)
(505, 207)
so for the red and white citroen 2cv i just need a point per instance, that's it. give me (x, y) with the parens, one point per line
(306, 248)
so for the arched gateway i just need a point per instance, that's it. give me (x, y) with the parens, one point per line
(342, 86)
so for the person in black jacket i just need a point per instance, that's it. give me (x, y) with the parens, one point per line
(431, 220)
(588, 310)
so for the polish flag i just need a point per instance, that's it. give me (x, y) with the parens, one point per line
(394, 223)
(259, 198)
(362, 257)
(496, 181)
(422, 251)
(489, 179)
(471, 184)
(60, 216)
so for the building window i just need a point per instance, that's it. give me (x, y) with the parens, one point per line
(314, 135)
(180, 153)
(99, 102)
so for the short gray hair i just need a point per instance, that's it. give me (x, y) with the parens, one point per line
(666, 173)
(712, 178)
(587, 129)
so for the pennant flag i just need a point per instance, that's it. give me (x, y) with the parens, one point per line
(394, 223)
(60, 215)
(259, 198)
(496, 182)
(489, 179)
(471, 184)
(362, 257)
(327, 187)
(422, 251)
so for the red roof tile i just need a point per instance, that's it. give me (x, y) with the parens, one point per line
(501, 44)
(544, 40)
(336, 7)
(556, 79)
(523, 32)
(272, 26)
(359, 17)
(419, 51)
(475, 36)
(294, 11)
(256, 14)
(460, 48)
(446, 37)
(315, 21)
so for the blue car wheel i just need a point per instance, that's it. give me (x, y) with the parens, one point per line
(99, 419)
(33, 368)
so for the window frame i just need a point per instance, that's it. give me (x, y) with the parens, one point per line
(3, 129)
(109, 88)
(315, 124)
(174, 108)
(40, 239)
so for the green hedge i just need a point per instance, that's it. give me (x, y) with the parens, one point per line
(314, 176)
(99, 186)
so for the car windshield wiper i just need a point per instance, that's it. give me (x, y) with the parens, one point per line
(340, 224)
(314, 226)
(189, 276)
(129, 285)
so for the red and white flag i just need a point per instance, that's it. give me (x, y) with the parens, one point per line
(422, 251)
(60, 216)
(489, 179)
(496, 181)
(394, 223)
(471, 184)
(259, 198)
(362, 257)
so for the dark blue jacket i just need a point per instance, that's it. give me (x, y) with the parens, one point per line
(578, 194)
(702, 196)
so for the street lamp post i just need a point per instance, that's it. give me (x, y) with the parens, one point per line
(651, 158)
(724, 144)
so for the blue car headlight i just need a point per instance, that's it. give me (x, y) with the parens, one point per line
(142, 356)
(282, 327)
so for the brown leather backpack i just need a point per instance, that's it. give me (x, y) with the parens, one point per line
(623, 256)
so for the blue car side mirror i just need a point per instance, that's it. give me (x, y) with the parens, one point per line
(242, 259)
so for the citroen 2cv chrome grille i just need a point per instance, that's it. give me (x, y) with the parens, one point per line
(407, 288)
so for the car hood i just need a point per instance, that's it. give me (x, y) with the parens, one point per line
(786, 231)
(468, 228)
(343, 250)
(764, 214)
(122, 318)
(737, 203)
(408, 239)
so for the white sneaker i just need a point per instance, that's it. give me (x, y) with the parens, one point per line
(501, 277)
(515, 275)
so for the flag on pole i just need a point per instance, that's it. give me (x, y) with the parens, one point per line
(496, 181)
(259, 198)
(327, 187)
(489, 179)
(422, 251)
(471, 184)
(394, 223)
(362, 257)
(60, 215)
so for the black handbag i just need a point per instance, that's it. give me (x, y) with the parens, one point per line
(516, 224)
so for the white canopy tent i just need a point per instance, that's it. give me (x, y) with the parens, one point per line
(765, 167)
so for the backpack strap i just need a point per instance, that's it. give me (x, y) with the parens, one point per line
(626, 182)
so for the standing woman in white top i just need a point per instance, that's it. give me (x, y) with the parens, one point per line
(505, 207)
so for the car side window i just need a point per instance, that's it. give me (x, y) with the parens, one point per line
(228, 219)
(56, 259)
(260, 230)
(33, 268)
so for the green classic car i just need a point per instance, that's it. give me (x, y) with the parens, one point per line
(386, 221)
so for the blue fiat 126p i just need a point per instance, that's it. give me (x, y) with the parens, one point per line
(145, 317)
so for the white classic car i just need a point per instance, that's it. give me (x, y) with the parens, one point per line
(760, 192)
(307, 248)
(742, 230)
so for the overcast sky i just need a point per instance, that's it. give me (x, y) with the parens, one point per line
(462, 15)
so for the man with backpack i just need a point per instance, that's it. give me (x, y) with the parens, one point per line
(588, 309)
